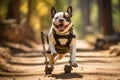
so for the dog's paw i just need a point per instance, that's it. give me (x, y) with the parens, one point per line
(74, 65)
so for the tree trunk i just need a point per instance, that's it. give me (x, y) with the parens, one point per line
(29, 11)
(13, 10)
(105, 16)
(30, 33)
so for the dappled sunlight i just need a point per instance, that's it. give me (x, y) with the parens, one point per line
(42, 9)
(24, 8)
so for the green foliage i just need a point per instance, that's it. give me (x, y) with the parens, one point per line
(77, 21)
(60, 5)
(3, 8)
(116, 14)
(94, 15)
(41, 17)
(24, 7)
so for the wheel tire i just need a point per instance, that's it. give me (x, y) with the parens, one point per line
(67, 69)
(48, 70)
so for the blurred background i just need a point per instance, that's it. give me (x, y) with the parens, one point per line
(96, 24)
(25, 19)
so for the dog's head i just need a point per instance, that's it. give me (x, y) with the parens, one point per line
(61, 20)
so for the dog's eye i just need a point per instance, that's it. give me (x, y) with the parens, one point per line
(66, 17)
(56, 17)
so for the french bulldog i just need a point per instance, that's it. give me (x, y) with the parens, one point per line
(61, 38)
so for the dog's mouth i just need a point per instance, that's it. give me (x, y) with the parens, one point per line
(61, 27)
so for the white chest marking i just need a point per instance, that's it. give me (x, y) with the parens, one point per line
(63, 41)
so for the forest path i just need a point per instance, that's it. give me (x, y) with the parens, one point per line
(92, 65)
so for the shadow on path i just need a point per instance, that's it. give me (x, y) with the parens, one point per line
(87, 50)
(67, 76)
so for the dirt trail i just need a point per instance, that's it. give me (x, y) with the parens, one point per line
(93, 65)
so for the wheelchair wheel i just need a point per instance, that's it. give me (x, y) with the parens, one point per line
(48, 70)
(67, 69)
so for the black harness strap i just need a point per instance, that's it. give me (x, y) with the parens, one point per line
(69, 37)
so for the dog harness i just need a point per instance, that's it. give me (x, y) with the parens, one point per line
(63, 48)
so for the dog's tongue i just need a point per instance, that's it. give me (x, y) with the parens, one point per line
(60, 28)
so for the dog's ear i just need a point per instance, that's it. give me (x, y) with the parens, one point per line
(69, 10)
(53, 11)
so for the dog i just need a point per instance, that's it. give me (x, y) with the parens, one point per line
(61, 38)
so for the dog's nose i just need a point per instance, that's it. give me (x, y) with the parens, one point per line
(61, 20)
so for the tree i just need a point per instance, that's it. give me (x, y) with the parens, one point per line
(13, 10)
(105, 16)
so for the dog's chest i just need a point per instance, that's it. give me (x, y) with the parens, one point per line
(62, 47)
(63, 41)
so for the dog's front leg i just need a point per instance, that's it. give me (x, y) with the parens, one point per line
(51, 43)
(72, 54)
(52, 49)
